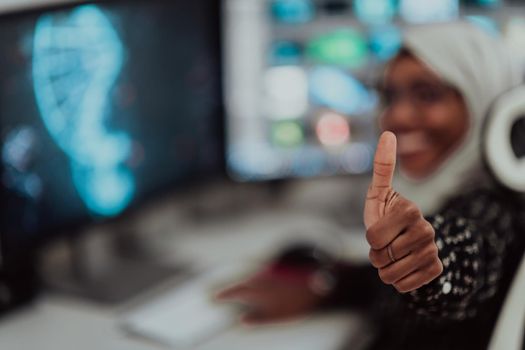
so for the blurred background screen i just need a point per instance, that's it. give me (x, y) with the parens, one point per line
(103, 105)
(107, 103)
(301, 76)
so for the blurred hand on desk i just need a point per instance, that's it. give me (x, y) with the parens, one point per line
(277, 293)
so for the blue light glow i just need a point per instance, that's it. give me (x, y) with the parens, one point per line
(375, 11)
(76, 61)
(357, 158)
(253, 161)
(285, 52)
(385, 42)
(308, 162)
(18, 153)
(488, 3)
(293, 11)
(333, 88)
(104, 190)
(19, 148)
(418, 11)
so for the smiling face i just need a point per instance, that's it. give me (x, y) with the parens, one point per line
(429, 117)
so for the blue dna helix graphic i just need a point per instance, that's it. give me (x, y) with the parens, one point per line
(77, 58)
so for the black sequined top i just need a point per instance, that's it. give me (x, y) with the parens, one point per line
(480, 236)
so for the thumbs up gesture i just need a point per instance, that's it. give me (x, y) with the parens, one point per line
(401, 240)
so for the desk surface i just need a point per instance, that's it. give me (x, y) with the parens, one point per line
(53, 323)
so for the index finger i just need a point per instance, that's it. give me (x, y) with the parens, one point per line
(384, 161)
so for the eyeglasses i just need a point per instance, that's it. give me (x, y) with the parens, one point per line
(421, 95)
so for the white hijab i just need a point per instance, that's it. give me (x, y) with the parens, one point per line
(481, 68)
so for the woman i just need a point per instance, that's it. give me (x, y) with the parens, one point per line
(436, 94)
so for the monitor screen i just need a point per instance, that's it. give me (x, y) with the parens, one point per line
(105, 104)
(301, 77)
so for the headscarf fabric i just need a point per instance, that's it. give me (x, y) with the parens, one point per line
(481, 68)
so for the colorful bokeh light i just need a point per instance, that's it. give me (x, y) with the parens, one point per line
(357, 158)
(484, 3)
(338, 90)
(287, 134)
(18, 153)
(286, 92)
(254, 161)
(344, 47)
(309, 161)
(285, 52)
(332, 129)
(489, 3)
(293, 11)
(385, 42)
(375, 11)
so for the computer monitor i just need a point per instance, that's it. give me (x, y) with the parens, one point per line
(104, 105)
(299, 94)
(301, 77)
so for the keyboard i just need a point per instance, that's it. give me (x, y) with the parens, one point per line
(187, 315)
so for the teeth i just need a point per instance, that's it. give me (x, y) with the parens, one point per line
(411, 142)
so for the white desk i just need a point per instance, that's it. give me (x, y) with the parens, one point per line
(59, 324)
(54, 325)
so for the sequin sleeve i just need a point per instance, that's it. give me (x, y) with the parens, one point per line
(473, 235)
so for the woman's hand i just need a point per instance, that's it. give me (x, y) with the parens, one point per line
(274, 294)
(401, 240)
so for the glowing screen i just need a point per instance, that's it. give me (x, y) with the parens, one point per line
(105, 105)
(301, 76)
(77, 59)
